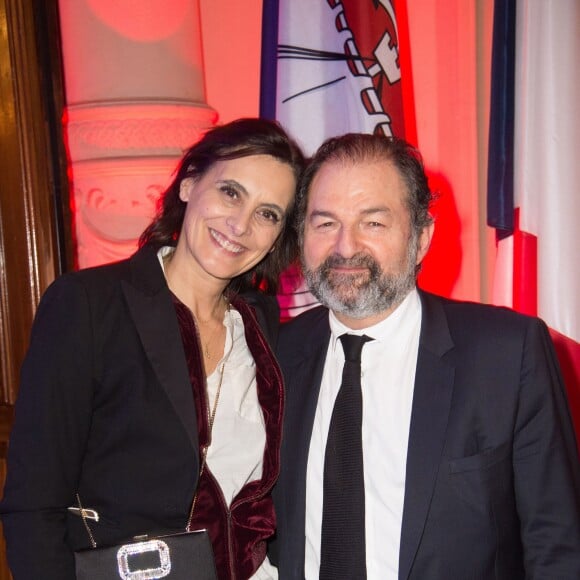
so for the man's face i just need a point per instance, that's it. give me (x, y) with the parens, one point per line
(360, 251)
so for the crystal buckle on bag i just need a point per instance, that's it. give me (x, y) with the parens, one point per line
(128, 550)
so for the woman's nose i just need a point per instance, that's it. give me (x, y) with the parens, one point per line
(238, 223)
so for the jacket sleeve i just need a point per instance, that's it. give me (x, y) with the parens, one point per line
(52, 422)
(545, 463)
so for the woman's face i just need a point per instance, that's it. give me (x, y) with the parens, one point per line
(234, 214)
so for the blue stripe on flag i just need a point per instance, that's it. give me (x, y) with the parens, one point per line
(269, 61)
(500, 172)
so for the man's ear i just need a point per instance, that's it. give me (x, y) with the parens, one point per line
(425, 238)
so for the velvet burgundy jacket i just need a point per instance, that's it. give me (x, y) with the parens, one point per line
(106, 408)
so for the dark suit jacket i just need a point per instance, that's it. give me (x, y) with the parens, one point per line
(106, 409)
(492, 481)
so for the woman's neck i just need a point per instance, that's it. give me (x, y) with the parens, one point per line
(205, 298)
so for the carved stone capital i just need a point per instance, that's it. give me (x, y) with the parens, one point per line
(115, 200)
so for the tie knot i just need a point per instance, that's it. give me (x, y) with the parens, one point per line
(352, 345)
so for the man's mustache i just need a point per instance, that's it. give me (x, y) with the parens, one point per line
(359, 260)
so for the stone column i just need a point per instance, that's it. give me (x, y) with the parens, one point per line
(135, 100)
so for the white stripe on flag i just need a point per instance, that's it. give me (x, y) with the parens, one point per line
(547, 137)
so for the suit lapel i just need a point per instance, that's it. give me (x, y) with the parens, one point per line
(303, 379)
(306, 379)
(153, 313)
(431, 404)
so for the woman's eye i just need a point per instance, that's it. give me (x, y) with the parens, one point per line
(271, 216)
(229, 191)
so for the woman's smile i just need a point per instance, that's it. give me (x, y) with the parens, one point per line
(225, 243)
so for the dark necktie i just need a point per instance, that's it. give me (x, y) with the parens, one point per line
(342, 554)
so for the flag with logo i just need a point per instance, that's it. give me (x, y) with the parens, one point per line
(533, 175)
(329, 67)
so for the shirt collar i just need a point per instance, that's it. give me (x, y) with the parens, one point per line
(387, 329)
(162, 253)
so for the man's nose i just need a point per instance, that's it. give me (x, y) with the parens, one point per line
(347, 242)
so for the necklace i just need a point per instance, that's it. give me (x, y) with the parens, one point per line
(210, 421)
(205, 347)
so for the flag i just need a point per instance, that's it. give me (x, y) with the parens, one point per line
(333, 67)
(533, 173)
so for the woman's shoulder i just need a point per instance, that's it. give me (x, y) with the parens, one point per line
(141, 269)
(93, 280)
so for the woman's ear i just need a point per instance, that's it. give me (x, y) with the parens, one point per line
(185, 188)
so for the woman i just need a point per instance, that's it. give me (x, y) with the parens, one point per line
(129, 364)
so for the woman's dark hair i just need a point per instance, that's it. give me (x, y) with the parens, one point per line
(355, 148)
(240, 138)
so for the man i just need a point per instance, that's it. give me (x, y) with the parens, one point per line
(469, 462)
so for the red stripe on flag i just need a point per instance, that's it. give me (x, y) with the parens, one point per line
(525, 283)
(407, 89)
(568, 352)
(525, 296)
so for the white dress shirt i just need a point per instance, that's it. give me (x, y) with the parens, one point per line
(388, 375)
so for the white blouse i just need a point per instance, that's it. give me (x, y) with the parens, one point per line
(235, 455)
(238, 437)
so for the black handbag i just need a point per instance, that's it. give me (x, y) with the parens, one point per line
(181, 556)
(186, 555)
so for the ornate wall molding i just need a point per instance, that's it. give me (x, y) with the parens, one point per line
(137, 129)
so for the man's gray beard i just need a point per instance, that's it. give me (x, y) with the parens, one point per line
(361, 296)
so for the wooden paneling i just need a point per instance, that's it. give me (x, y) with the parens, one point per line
(33, 188)
(5, 422)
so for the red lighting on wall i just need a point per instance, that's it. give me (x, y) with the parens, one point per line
(143, 21)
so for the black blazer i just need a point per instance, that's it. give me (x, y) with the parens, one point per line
(492, 482)
(106, 409)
